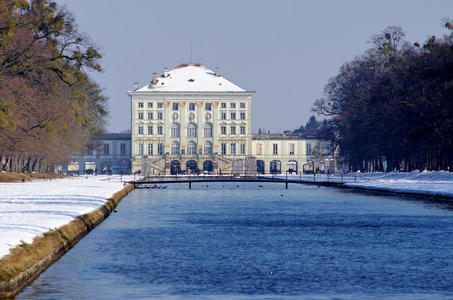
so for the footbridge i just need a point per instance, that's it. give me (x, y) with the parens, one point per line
(153, 181)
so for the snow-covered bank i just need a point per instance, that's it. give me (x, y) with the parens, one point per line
(426, 182)
(28, 209)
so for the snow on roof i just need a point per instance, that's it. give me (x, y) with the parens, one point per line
(191, 78)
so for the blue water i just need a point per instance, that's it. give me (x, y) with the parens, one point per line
(225, 241)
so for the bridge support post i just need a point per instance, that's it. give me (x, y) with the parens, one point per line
(190, 185)
(286, 184)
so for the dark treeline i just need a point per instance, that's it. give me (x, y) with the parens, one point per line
(49, 107)
(394, 104)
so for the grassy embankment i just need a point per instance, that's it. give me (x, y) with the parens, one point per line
(15, 177)
(27, 261)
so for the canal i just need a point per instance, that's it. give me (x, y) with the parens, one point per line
(252, 241)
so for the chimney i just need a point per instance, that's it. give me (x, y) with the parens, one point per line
(135, 85)
(217, 71)
(165, 72)
(154, 78)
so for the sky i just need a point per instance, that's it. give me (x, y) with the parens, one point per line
(284, 50)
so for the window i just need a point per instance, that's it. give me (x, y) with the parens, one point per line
(259, 149)
(223, 105)
(150, 149)
(160, 104)
(191, 148)
(233, 148)
(122, 149)
(106, 149)
(140, 149)
(233, 129)
(160, 149)
(191, 106)
(175, 132)
(275, 149)
(308, 149)
(208, 106)
(191, 130)
(150, 116)
(160, 130)
(150, 129)
(140, 105)
(140, 129)
(242, 104)
(242, 129)
(233, 105)
(223, 130)
(291, 149)
(242, 116)
(175, 106)
(159, 116)
(223, 148)
(208, 148)
(233, 116)
(223, 116)
(208, 130)
(242, 149)
(150, 105)
(175, 148)
(140, 116)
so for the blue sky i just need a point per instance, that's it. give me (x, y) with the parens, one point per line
(284, 50)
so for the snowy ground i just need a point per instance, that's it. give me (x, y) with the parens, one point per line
(28, 209)
(426, 182)
(32, 208)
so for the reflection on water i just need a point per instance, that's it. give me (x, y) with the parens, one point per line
(249, 242)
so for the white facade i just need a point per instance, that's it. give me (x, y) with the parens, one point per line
(280, 153)
(190, 118)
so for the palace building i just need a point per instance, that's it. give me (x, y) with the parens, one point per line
(191, 118)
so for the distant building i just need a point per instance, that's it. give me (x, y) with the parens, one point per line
(191, 118)
(281, 153)
(110, 153)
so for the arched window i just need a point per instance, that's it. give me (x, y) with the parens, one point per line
(208, 148)
(208, 130)
(191, 130)
(175, 132)
(175, 147)
(191, 148)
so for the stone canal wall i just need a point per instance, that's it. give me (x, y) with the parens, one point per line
(27, 261)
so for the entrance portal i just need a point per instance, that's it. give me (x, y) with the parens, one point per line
(175, 167)
(191, 165)
(208, 166)
(260, 166)
(275, 167)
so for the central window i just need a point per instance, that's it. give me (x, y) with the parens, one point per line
(175, 106)
(191, 148)
(191, 130)
(191, 106)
